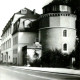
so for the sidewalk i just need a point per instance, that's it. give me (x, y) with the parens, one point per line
(52, 70)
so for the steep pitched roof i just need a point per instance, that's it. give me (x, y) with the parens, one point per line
(29, 14)
(7, 25)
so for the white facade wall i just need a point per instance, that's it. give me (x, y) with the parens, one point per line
(63, 21)
(27, 37)
(52, 37)
(24, 38)
(7, 49)
(6, 37)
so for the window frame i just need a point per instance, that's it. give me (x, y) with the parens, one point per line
(64, 33)
(65, 47)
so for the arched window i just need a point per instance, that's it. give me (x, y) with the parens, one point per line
(65, 47)
(65, 33)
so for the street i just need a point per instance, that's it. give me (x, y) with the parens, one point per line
(11, 73)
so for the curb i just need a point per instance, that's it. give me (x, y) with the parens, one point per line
(52, 70)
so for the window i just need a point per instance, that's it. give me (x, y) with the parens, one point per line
(53, 8)
(15, 40)
(23, 11)
(44, 10)
(26, 23)
(14, 51)
(65, 47)
(47, 9)
(63, 8)
(5, 57)
(6, 44)
(65, 33)
(9, 43)
(9, 57)
(10, 30)
(15, 60)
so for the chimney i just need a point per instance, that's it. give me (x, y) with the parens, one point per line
(34, 11)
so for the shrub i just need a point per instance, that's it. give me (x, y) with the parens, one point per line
(54, 58)
(35, 62)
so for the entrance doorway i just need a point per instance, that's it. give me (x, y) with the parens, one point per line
(24, 53)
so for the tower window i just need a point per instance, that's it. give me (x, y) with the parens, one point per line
(63, 8)
(65, 47)
(44, 10)
(65, 33)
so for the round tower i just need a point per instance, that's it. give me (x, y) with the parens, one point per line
(57, 27)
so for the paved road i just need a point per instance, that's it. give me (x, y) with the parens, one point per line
(10, 73)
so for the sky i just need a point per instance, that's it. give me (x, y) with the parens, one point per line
(9, 7)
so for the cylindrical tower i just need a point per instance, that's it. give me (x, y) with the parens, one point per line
(57, 28)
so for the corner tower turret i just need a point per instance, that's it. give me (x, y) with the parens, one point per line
(57, 27)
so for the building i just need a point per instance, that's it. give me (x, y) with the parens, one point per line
(54, 29)
(14, 35)
(23, 35)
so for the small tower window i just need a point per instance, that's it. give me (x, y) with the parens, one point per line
(26, 23)
(63, 8)
(65, 47)
(54, 8)
(44, 10)
(65, 33)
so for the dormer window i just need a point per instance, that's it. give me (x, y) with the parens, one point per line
(18, 23)
(44, 10)
(23, 11)
(47, 9)
(26, 23)
(54, 8)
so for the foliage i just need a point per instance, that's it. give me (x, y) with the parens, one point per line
(77, 55)
(36, 62)
(54, 58)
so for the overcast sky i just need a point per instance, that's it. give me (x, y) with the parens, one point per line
(9, 7)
